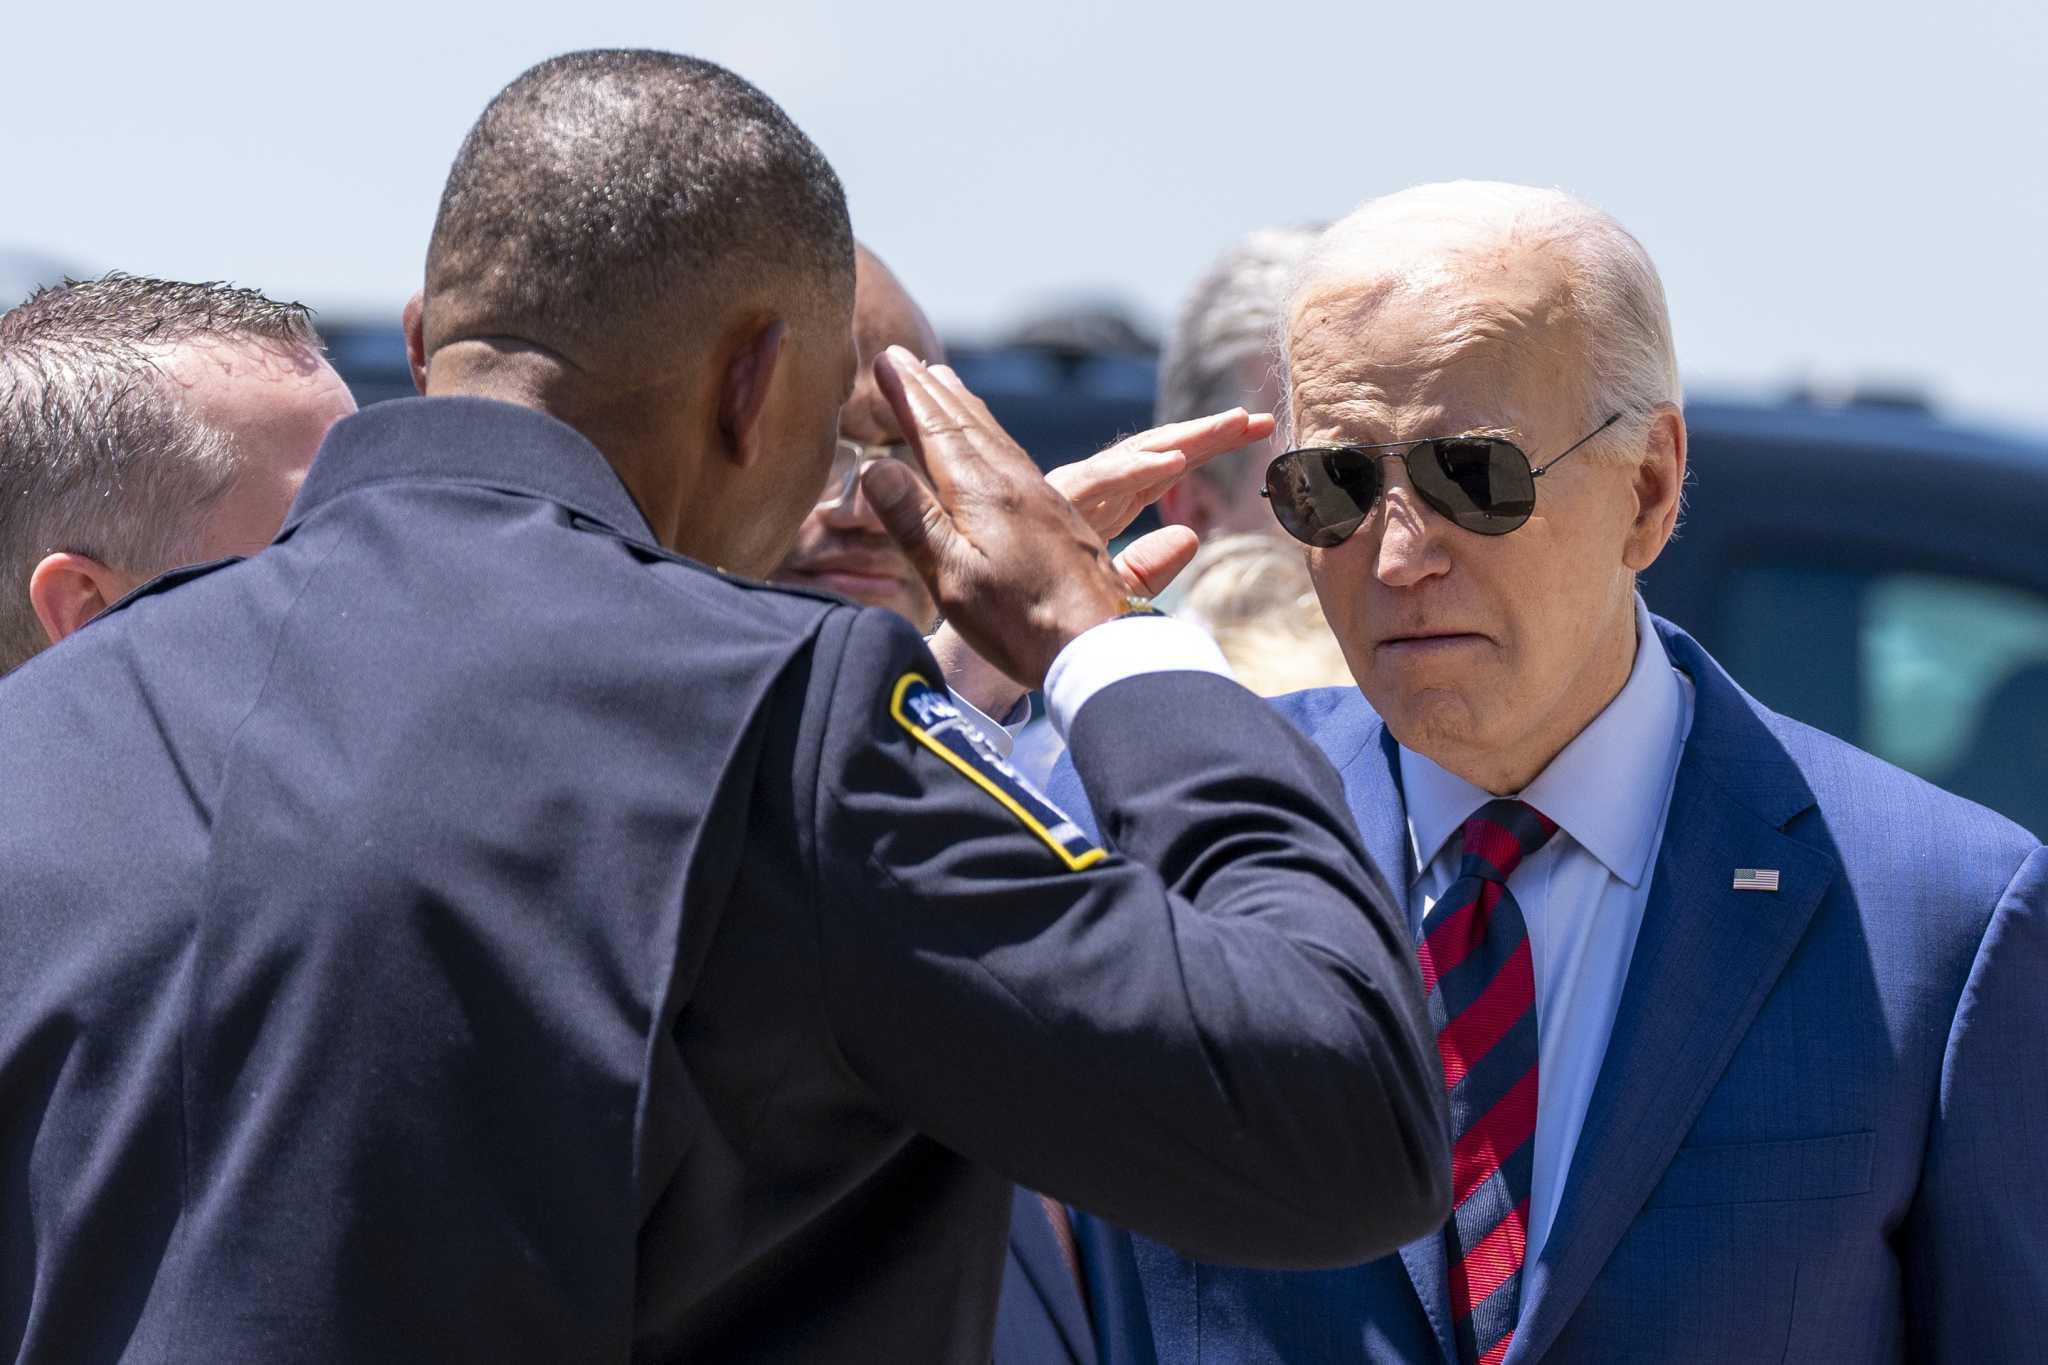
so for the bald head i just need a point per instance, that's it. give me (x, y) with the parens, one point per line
(606, 197)
(885, 315)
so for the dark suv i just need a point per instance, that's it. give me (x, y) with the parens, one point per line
(1868, 568)
(1879, 573)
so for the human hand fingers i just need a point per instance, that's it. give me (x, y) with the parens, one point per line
(927, 416)
(974, 455)
(912, 516)
(1110, 488)
(968, 399)
(1202, 439)
(1155, 559)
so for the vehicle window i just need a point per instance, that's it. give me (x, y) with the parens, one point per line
(1944, 675)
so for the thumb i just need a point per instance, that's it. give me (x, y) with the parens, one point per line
(1155, 559)
(911, 516)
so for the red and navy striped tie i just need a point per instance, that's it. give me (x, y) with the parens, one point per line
(1482, 998)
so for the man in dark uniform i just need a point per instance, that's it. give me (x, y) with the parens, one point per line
(478, 929)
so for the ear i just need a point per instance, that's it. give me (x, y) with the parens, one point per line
(416, 338)
(743, 391)
(67, 590)
(1659, 487)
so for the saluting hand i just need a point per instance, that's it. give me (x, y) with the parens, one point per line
(1110, 488)
(1010, 562)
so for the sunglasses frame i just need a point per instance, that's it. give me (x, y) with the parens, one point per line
(864, 453)
(1400, 450)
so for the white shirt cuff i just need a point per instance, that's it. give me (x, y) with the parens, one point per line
(1000, 737)
(1125, 648)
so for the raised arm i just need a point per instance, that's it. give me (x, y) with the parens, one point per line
(1215, 1037)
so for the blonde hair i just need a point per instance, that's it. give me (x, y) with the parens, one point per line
(1253, 594)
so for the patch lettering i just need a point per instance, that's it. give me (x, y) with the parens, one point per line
(932, 719)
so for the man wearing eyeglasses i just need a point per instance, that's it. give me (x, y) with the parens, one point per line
(841, 546)
(1739, 1026)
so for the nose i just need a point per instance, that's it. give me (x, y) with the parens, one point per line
(1411, 541)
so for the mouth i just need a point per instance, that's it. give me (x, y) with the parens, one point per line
(850, 577)
(1430, 644)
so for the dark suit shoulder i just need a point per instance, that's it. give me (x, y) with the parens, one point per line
(774, 606)
(1323, 714)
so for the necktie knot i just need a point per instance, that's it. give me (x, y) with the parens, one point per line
(1499, 835)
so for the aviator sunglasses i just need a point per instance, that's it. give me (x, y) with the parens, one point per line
(1484, 484)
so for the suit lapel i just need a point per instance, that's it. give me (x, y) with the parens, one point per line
(1372, 786)
(1705, 959)
(1037, 1253)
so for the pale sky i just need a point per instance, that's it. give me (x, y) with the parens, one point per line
(1833, 192)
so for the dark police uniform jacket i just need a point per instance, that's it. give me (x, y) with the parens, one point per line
(466, 932)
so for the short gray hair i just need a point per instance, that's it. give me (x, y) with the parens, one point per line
(1232, 315)
(1611, 286)
(98, 455)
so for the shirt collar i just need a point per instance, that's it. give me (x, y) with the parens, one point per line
(1606, 789)
(469, 440)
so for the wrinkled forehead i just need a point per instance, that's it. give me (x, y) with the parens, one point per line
(1431, 346)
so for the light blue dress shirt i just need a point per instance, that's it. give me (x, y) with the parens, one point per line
(1582, 894)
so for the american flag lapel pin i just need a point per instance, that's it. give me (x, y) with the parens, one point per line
(1756, 879)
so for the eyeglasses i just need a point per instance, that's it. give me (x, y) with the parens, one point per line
(850, 457)
(1484, 484)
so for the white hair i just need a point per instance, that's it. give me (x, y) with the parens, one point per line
(1419, 237)
(1231, 316)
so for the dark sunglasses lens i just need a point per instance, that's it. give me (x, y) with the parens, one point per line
(1481, 483)
(1322, 496)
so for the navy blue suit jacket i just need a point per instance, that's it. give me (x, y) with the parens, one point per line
(467, 932)
(1043, 1318)
(1821, 1128)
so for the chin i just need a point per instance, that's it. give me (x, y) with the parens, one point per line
(1429, 720)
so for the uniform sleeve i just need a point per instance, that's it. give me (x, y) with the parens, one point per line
(1215, 1036)
(1976, 1284)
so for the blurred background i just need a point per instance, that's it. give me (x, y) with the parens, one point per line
(1849, 205)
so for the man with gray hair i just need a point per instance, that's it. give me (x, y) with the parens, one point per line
(145, 424)
(1220, 356)
(1738, 1025)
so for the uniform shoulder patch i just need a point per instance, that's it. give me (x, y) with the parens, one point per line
(932, 719)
